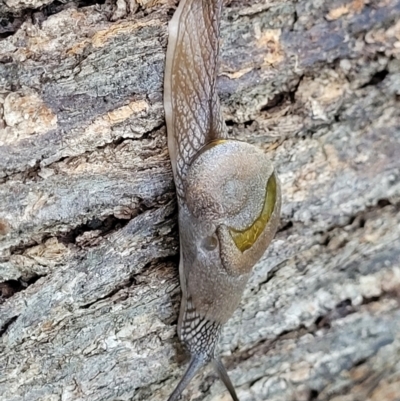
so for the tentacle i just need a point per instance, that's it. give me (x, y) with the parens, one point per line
(223, 375)
(196, 363)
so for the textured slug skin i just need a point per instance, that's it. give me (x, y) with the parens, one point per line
(191, 104)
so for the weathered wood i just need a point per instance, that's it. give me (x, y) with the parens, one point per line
(88, 235)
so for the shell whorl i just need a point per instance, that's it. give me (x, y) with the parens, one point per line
(225, 183)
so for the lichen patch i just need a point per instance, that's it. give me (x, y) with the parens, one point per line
(124, 112)
(25, 115)
(100, 38)
(355, 6)
(270, 41)
(237, 74)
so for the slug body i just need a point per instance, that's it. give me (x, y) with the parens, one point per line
(228, 194)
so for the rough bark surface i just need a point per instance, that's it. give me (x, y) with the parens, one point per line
(88, 235)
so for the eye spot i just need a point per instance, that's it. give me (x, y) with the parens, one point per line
(211, 242)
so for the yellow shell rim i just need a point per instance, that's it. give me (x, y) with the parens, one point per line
(245, 239)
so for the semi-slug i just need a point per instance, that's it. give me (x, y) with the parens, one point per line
(228, 193)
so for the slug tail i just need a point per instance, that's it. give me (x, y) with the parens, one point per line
(223, 375)
(196, 363)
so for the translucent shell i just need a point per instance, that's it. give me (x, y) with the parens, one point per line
(244, 239)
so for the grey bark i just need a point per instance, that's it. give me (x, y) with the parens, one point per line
(88, 234)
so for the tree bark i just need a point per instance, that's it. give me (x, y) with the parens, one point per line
(88, 233)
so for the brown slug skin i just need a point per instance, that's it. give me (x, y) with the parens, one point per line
(228, 192)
